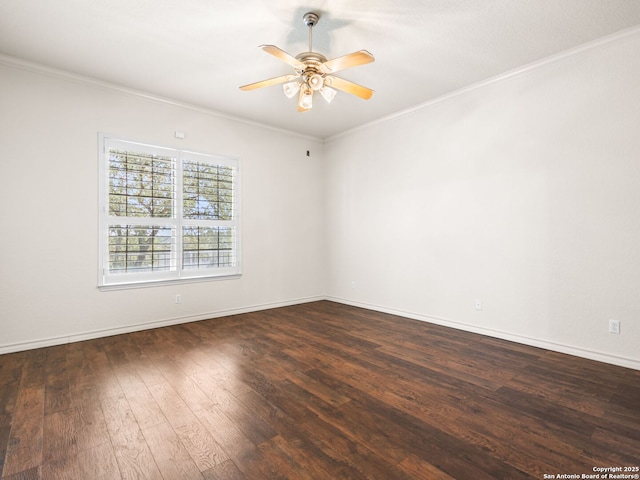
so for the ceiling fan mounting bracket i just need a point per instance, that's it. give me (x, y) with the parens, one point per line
(310, 19)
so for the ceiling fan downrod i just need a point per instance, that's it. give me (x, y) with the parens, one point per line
(310, 20)
(310, 72)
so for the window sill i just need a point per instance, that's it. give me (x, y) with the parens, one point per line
(161, 283)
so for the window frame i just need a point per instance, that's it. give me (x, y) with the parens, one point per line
(177, 222)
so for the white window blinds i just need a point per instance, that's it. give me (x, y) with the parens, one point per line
(166, 214)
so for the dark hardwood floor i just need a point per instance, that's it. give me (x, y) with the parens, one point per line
(314, 391)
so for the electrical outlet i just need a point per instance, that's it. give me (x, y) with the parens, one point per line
(178, 298)
(614, 326)
(353, 284)
(478, 304)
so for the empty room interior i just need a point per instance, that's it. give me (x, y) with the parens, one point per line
(322, 240)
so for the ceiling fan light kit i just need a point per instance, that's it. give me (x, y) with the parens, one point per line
(314, 73)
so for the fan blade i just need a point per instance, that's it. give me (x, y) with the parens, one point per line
(347, 61)
(349, 87)
(282, 55)
(268, 82)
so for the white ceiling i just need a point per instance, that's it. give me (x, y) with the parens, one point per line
(200, 51)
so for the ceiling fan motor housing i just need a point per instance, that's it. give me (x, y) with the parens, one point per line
(312, 73)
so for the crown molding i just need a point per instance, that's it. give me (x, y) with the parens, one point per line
(45, 70)
(90, 81)
(603, 41)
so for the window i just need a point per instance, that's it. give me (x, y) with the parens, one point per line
(166, 214)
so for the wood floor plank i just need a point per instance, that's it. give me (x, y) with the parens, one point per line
(11, 369)
(91, 428)
(172, 458)
(225, 432)
(104, 378)
(247, 420)
(98, 463)
(224, 378)
(144, 407)
(301, 444)
(57, 393)
(9, 389)
(271, 415)
(142, 363)
(215, 393)
(224, 471)
(5, 431)
(34, 473)
(60, 435)
(270, 462)
(131, 450)
(533, 453)
(351, 456)
(24, 448)
(11, 365)
(318, 390)
(192, 394)
(418, 468)
(203, 448)
(64, 468)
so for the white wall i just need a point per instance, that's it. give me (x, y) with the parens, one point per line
(49, 226)
(523, 192)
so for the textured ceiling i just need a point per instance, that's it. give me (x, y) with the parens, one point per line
(201, 51)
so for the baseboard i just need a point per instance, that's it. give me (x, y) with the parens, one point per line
(534, 342)
(107, 332)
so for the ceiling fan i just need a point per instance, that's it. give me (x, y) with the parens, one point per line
(314, 73)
